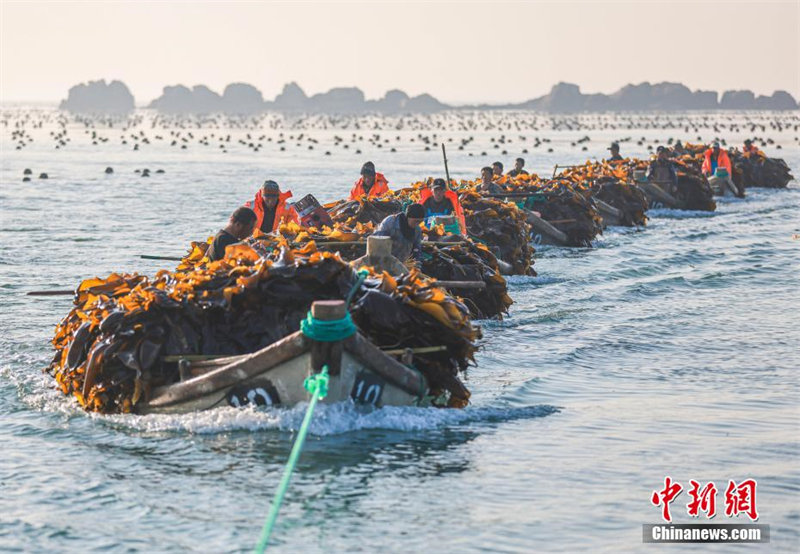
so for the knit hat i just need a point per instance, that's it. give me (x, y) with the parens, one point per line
(368, 169)
(415, 211)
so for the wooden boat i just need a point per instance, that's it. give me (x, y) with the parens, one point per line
(274, 376)
(543, 232)
(657, 197)
(611, 215)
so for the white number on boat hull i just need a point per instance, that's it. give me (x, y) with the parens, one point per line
(367, 388)
(257, 394)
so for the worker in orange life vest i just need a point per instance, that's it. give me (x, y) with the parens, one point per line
(371, 183)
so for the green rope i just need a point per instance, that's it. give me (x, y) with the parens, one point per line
(328, 331)
(317, 386)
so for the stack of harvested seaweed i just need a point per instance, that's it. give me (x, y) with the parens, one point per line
(468, 261)
(501, 226)
(447, 261)
(692, 190)
(110, 348)
(749, 169)
(610, 183)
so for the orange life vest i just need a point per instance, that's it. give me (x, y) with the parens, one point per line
(722, 161)
(283, 213)
(379, 188)
(458, 211)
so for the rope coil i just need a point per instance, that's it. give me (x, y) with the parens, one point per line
(328, 331)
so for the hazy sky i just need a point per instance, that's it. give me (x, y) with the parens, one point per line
(458, 51)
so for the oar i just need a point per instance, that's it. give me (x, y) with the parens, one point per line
(520, 195)
(50, 293)
(149, 257)
(200, 358)
(460, 284)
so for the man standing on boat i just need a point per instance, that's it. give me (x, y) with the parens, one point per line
(662, 171)
(615, 157)
(519, 163)
(717, 167)
(403, 229)
(371, 183)
(439, 201)
(270, 207)
(240, 226)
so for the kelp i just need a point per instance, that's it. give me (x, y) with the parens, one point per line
(110, 348)
(501, 226)
(754, 169)
(507, 239)
(479, 264)
(612, 184)
(692, 188)
(470, 262)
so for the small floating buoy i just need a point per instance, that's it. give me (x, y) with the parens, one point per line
(27, 171)
(26, 179)
(109, 170)
(43, 176)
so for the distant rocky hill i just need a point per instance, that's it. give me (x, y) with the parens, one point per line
(99, 97)
(244, 99)
(567, 98)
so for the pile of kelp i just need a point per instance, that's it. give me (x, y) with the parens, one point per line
(110, 348)
(463, 260)
(563, 203)
(610, 183)
(749, 169)
(364, 210)
(498, 225)
(692, 189)
(502, 227)
(468, 261)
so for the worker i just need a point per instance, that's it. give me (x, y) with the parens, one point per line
(270, 207)
(438, 200)
(662, 171)
(614, 149)
(497, 169)
(519, 163)
(750, 148)
(717, 167)
(371, 183)
(404, 230)
(488, 186)
(240, 226)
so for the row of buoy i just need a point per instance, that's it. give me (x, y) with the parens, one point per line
(27, 173)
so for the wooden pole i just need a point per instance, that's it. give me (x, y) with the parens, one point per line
(329, 353)
(446, 170)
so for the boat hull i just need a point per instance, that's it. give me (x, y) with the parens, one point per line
(274, 376)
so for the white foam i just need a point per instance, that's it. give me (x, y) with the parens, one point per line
(329, 419)
(671, 213)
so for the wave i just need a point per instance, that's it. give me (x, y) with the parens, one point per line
(329, 419)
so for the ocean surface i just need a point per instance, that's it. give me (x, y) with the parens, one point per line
(671, 350)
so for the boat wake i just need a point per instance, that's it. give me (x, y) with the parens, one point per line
(329, 419)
